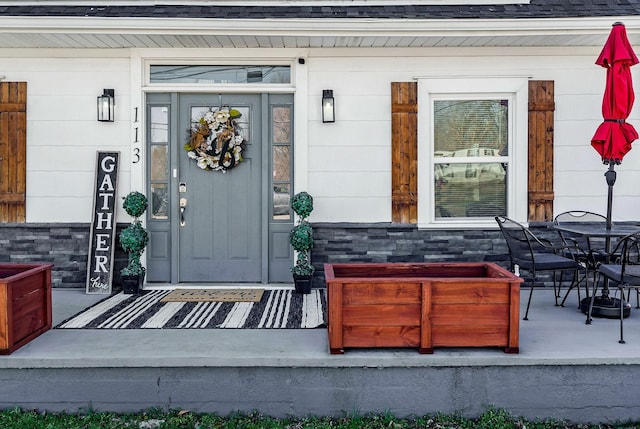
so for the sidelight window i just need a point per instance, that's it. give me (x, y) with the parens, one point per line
(159, 147)
(281, 147)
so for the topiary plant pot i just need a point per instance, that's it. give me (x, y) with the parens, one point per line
(132, 285)
(302, 283)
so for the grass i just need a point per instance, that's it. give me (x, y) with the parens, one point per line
(492, 418)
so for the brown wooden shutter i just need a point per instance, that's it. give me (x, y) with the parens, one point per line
(404, 152)
(541, 108)
(13, 151)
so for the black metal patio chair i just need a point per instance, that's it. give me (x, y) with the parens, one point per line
(534, 254)
(624, 273)
(590, 251)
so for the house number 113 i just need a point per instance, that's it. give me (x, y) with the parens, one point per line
(135, 158)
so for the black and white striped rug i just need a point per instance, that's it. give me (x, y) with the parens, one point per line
(278, 309)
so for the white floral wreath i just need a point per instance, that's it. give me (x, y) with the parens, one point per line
(215, 141)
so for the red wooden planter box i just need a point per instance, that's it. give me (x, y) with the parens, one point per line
(423, 305)
(25, 304)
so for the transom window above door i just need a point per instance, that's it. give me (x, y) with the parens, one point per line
(220, 74)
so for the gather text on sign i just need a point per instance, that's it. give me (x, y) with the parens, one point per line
(103, 225)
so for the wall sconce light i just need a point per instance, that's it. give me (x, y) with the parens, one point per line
(328, 106)
(106, 105)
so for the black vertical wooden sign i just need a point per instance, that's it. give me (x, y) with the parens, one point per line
(103, 225)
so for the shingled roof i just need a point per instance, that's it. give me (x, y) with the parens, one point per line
(222, 24)
(535, 9)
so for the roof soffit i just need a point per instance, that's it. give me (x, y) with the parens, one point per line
(129, 32)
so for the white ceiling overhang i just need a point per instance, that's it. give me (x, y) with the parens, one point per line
(122, 32)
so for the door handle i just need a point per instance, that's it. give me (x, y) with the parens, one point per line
(183, 206)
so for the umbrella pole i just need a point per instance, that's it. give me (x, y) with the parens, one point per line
(605, 305)
(610, 175)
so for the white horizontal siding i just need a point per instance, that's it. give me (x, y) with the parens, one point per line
(353, 134)
(47, 184)
(579, 180)
(350, 159)
(352, 209)
(55, 134)
(63, 134)
(348, 166)
(362, 89)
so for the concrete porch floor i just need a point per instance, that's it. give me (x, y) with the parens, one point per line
(565, 370)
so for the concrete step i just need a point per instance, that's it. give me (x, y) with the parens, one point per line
(565, 370)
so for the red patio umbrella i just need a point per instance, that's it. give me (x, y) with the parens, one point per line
(613, 137)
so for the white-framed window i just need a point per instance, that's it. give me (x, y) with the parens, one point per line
(472, 151)
(219, 74)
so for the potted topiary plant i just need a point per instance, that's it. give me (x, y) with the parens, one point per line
(133, 240)
(301, 238)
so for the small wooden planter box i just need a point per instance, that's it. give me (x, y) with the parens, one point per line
(423, 305)
(25, 304)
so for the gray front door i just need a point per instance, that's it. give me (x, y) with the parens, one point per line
(234, 226)
(219, 237)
